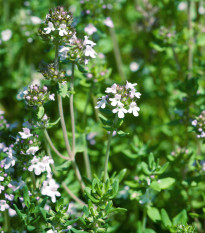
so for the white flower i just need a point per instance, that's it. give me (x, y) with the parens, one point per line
(134, 66)
(90, 29)
(63, 52)
(45, 117)
(62, 30)
(46, 162)
(1, 178)
(51, 231)
(120, 110)
(73, 39)
(182, 6)
(10, 160)
(32, 150)
(201, 10)
(26, 133)
(89, 51)
(36, 166)
(102, 103)
(133, 94)
(194, 123)
(52, 97)
(115, 100)
(49, 28)
(6, 35)
(35, 20)
(108, 22)
(3, 205)
(112, 89)
(50, 188)
(40, 166)
(88, 42)
(130, 85)
(134, 109)
(1, 188)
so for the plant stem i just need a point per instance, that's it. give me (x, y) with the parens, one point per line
(72, 110)
(73, 196)
(117, 54)
(144, 219)
(190, 41)
(7, 221)
(86, 159)
(63, 125)
(108, 150)
(85, 152)
(33, 178)
(52, 145)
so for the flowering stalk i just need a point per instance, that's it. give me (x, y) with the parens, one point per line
(52, 146)
(7, 221)
(72, 110)
(117, 54)
(144, 219)
(108, 150)
(63, 125)
(190, 41)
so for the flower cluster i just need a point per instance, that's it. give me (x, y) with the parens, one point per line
(37, 96)
(121, 99)
(3, 121)
(50, 73)
(40, 165)
(199, 124)
(78, 50)
(57, 26)
(50, 188)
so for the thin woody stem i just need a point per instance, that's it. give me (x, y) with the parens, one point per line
(72, 195)
(190, 42)
(72, 110)
(63, 125)
(52, 145)
(108, 150)
(117, 54)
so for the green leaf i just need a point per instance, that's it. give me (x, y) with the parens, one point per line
(119, 210)
(50, 125)
(30, 228)
(151, 161)
(105, 121)
(163, 168)
(59, 203)
(180, 218)
(165, 218)
(81, 68)
(166, 182)
(63, 89)
(122, 133)
(40, 112)
(121, 174)
(43, 212)
(154, 214)
(145, 168)
(26, 196)
(155, 186)
(20, 214)
(157, 47)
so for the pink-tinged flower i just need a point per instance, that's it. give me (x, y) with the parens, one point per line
(112, 89)
(10, 161)
(90, 52)
(133, 94)
(26, 133)
(194, 123)
(116, 100)
(50, 28)
(120, 110)
(134, 109)
(62, 30)
(50, 188)
(130, 85)
(32, 150)
(90, 29)
(102, 103)
(3, 205)
(108, 22)
(52, 97)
